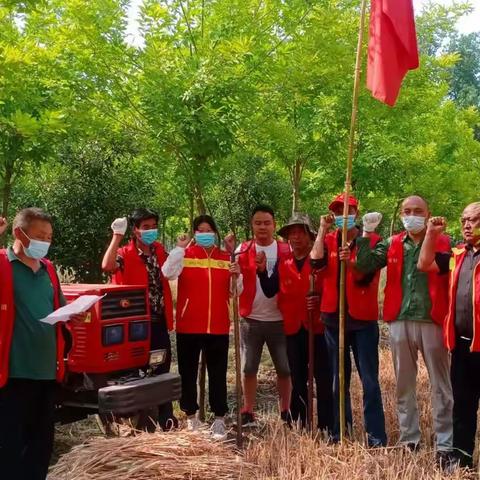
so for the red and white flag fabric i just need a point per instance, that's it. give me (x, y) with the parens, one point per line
(392, 47)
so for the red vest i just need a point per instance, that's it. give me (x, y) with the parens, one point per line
(7, 317)
(204, 292)
(449, 326)
(437, 284)
(294, 287)
(135, 273)
(249, 271)
(362, 299)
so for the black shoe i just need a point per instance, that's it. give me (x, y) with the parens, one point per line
(447, 461)
(248, 420)
(412, 446)
(286, 418)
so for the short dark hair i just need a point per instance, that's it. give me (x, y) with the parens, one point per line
(139, 215)
(25, 217)
(204, 219)
(262, 207)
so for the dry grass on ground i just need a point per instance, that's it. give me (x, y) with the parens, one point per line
(276, 454)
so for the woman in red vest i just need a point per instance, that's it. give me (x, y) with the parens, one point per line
(139, 263)
(202, 318)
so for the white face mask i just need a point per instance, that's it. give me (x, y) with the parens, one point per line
(413, 224)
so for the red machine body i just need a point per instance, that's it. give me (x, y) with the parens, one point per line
(116, 333)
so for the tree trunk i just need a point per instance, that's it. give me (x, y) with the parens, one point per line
(296, 177)
(394, 216)
(7, 188)
(199, 202)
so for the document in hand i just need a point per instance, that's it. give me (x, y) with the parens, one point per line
(80, 305)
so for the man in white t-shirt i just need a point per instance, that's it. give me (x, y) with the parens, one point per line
(261, 319)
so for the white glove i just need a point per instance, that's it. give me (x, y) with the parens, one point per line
(371, 221)
(119, 226)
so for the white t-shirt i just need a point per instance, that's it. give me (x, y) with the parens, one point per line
(266, 309)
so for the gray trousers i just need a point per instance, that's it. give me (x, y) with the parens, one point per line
(407, 338)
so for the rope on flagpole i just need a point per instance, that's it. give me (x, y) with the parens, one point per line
(348, 186)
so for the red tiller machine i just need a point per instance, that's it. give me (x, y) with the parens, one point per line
(116, 334)
(110, 369)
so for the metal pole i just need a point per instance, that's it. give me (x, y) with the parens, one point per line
(348, 184)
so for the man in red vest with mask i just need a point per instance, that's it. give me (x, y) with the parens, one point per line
(139, 263)
(415, 306)
(462, 325)
(31, 352)
(362, 333)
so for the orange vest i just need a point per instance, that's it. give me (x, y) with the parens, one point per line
(248, 268)
(449, 326)
(437, 284)
(294, 287)
(362, 299)
(7, 316)
(135, 273)
(204, 292)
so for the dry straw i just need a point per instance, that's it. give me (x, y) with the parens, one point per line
(166, 456)
(275, 453)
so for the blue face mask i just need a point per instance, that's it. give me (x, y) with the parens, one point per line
(205, 239)
(350, 221)
(37, 249)
(148, 236)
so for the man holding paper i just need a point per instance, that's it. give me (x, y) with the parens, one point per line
(31, 352)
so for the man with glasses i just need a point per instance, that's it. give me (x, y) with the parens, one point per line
(462, 325)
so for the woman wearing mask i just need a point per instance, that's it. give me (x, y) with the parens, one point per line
(202, 318)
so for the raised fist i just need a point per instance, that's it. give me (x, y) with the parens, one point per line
(119, 226)
(327, 221)
(371, 221)
(261, 261)
(183, 240)
(229, 242)
(436, 225)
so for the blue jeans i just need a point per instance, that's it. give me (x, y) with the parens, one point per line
(364, 345)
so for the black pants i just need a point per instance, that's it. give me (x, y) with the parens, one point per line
(297, 351)
(465, 375)
(215, 348)
(160, 339)
(26, 428)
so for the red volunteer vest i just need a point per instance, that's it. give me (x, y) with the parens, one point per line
(204, 292)
(294, 287)
(135, 273)
(7, 316)
(362, 299)
(437, 284)
(449, 326)
(249, 272)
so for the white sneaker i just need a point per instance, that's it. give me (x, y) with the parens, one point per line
(218, 429)
(193, 423)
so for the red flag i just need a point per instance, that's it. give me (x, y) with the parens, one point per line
(392, 47)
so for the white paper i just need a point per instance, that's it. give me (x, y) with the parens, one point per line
(80, 305)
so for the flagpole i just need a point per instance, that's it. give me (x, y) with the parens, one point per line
(348, 186)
